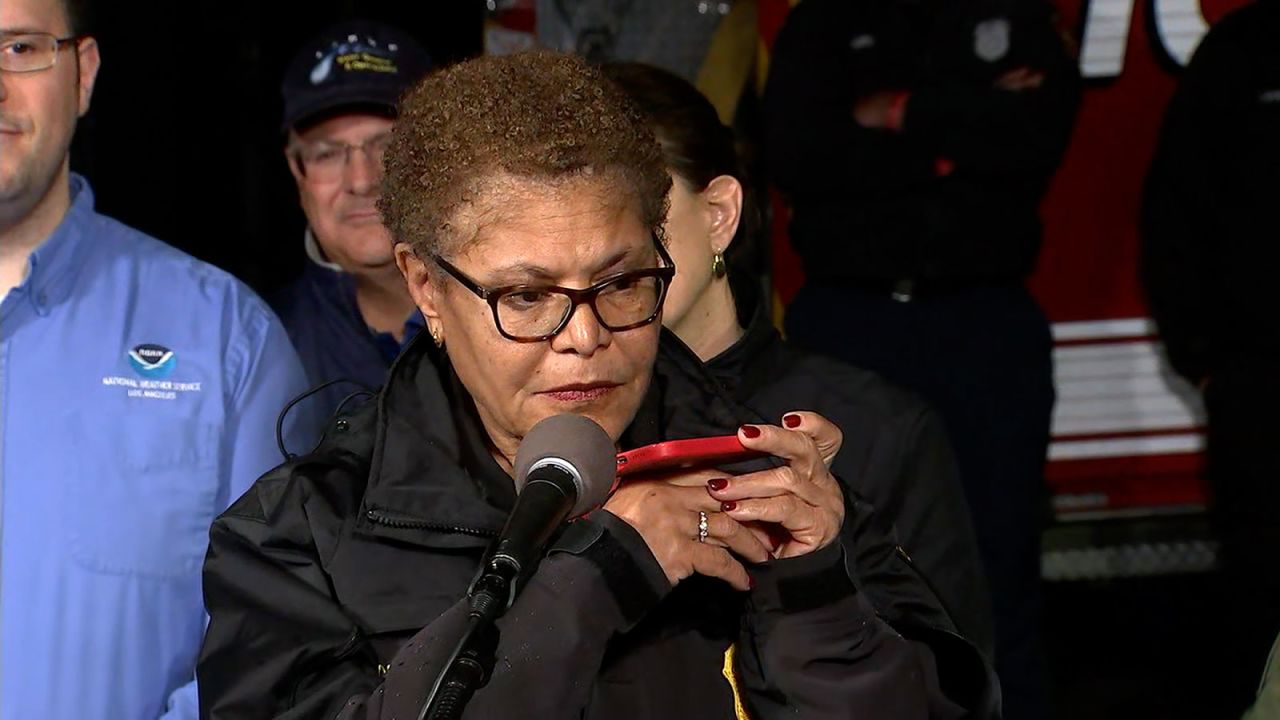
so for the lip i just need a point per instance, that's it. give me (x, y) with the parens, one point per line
(360, 216)
(581, 392)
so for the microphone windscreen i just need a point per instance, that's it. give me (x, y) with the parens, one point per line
(575, 441)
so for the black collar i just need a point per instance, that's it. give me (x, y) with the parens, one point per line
(432, 475)
(758, 358)
(432, 478)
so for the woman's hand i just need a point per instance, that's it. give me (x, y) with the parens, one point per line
(665, 513)
(801, 497)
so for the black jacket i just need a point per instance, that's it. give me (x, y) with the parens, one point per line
(896, 454)
(1209, 216)
(334, 589)
(954, 195)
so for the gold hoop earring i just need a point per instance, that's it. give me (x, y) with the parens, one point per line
(435, 337)
(718, 267)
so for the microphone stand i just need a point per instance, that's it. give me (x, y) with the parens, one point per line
(549, 493)
(471, 664)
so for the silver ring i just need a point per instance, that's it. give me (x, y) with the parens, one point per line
(702, 527)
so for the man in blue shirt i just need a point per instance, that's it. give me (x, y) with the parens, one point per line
(139, 390)
(350, 312)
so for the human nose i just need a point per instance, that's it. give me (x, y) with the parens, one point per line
(363, 171)
(583, 334)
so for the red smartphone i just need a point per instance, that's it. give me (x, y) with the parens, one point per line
(684, 454)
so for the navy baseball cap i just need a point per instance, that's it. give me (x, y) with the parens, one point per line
(358, 63)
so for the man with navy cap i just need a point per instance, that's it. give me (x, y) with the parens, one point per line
(349, 313)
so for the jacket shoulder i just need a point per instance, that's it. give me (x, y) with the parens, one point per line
(831, 385)
(329, 481)
(314, 294)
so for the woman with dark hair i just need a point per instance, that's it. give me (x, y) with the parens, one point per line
(528, 201)
(714, 306)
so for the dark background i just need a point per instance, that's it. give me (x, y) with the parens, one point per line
(183, 139)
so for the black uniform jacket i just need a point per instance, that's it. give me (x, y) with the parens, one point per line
(1209, 213)
(953, 195)
(335, 588)
(896, 455)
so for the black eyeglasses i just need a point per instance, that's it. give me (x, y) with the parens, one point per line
(532, 313)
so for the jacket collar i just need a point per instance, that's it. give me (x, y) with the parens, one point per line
(758, 359)
(315, 254)
(432, 479)
(744, 367)
(431, 471)
(335, 290)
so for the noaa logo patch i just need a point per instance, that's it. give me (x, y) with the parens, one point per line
(991, 39)
(152, 361)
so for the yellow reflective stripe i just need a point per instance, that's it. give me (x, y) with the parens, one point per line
(738, 710)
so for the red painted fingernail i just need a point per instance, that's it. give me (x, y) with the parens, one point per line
(728, 506)
(718, 484)
(751, 431)
(791, 421)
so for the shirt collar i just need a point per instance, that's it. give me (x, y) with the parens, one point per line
(51, 267)
(315, 254)
(386, 342)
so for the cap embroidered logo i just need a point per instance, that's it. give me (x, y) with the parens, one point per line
(355, 56)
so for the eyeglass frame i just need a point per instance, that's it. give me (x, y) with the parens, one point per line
(297, 148)
(58, 44)
(577, 296)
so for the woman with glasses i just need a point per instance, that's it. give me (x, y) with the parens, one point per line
(528, 199)
(715, 306)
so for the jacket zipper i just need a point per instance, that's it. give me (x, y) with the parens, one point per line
(407, 523)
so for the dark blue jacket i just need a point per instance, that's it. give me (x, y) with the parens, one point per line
(320, 313)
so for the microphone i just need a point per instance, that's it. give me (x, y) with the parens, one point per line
(564, 468)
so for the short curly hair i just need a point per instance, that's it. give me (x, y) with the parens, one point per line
(535, 115)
